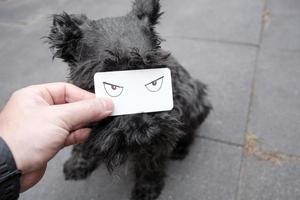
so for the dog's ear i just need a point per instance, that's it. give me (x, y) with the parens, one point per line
(149, 9)
(65, 36)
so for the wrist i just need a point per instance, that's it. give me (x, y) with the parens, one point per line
(12, 143)
(9, 174)
(14, 151)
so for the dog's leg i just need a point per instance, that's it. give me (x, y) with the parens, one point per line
(199, 115)
(81, 163)
(182, 146)
(149, 174)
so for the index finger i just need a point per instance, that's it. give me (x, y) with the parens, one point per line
(60, 93)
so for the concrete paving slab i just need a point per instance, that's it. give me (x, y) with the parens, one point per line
(287, 6)
(28, 11)
(282, 21)
(100, 186)
(231, 20)
(209, 172)
(27, 60)
(262, 180)
(276, 107)
(227, 70)
(96, 9)
(25, 11)
(8, 34)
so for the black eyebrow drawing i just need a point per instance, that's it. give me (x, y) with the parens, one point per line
(154, 83)
(113, 87)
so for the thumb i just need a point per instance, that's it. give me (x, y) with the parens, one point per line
(84, 112)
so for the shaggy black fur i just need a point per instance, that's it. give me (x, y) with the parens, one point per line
(127, 43)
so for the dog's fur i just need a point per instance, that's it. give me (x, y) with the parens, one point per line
(150, 139)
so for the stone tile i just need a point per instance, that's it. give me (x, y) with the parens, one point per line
(276, 107)
(27, 60)
(275, 110)
(210, 172)
(95, 9)
(29, 11)
(262, 180)
(8, 35)
(101, 185)
(282, 30)
(231, 20)
(25, 11)
(227, 70)
(287, 6)
(211, 166)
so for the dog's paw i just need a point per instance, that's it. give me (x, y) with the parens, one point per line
(75, 170)
(146, 191)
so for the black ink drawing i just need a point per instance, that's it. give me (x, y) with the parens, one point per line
(155, 86)
(113, 90)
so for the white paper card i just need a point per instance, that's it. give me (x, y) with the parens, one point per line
(136, 91)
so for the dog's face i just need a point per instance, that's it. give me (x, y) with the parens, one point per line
(107, 44)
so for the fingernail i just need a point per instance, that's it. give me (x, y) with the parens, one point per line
(107, 105)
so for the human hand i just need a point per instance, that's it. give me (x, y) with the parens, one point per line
(40, 120)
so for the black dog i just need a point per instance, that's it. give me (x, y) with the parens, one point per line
(149, 139)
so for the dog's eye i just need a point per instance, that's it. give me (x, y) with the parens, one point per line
(155, 85)
(113, 90)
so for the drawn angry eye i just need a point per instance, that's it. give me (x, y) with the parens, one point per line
(113, 90)
(155, 85)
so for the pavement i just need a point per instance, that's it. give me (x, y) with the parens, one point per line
(248, 52)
